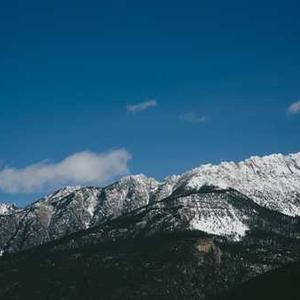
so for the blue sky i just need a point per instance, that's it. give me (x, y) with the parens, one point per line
(219, 77)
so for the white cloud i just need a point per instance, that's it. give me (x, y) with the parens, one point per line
(138, 107)
(193, 118)
(80, 168)
(294, 108)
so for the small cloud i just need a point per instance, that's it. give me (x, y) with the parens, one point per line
(294, 108)
(138, 107)
(193, 118)
(82, 168)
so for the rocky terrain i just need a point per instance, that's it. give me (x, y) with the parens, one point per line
(192, 236)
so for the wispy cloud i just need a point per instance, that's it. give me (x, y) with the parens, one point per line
(193, 118)
(138, 107)
(80, 168)
(294, 108)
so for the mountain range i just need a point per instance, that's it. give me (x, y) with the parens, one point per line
(192, 236)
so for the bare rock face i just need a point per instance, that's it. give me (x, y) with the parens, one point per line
(72, 209)
(227, 200)
(124, 196)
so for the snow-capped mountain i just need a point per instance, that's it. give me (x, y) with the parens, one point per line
(71, 209)
(6, 209)
(227, 199)
(271, 181)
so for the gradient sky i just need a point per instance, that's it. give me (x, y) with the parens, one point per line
(218, 78)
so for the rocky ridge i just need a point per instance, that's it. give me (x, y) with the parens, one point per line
(207, 199)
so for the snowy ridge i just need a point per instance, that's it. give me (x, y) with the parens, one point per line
(195, 200)
(6, 209)
(271, 181)
(62, 193)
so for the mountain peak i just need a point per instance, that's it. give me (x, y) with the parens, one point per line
(139, 178)
(187, 200)
(6, 209)
(271, 181)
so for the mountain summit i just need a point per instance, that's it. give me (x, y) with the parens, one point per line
(192, 236)
(204, 199)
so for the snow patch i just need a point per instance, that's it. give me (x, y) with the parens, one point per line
(225, 226)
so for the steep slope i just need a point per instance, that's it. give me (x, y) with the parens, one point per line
(193, 236)
(71, 209)
(130, 193)
(6, 209)
(271, 181)
(197, 197)
(182, 214)
(119, 261)
(54, 216)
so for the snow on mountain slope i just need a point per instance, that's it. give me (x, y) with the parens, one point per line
(271, 181)
(214, 215)
(61, 213)
(129, 193)
(211, 212)
(225, 213)
(165, 188)
(60, 194)
(6, 209)
(71, 209)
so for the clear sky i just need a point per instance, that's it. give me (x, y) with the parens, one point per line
(171, 84)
